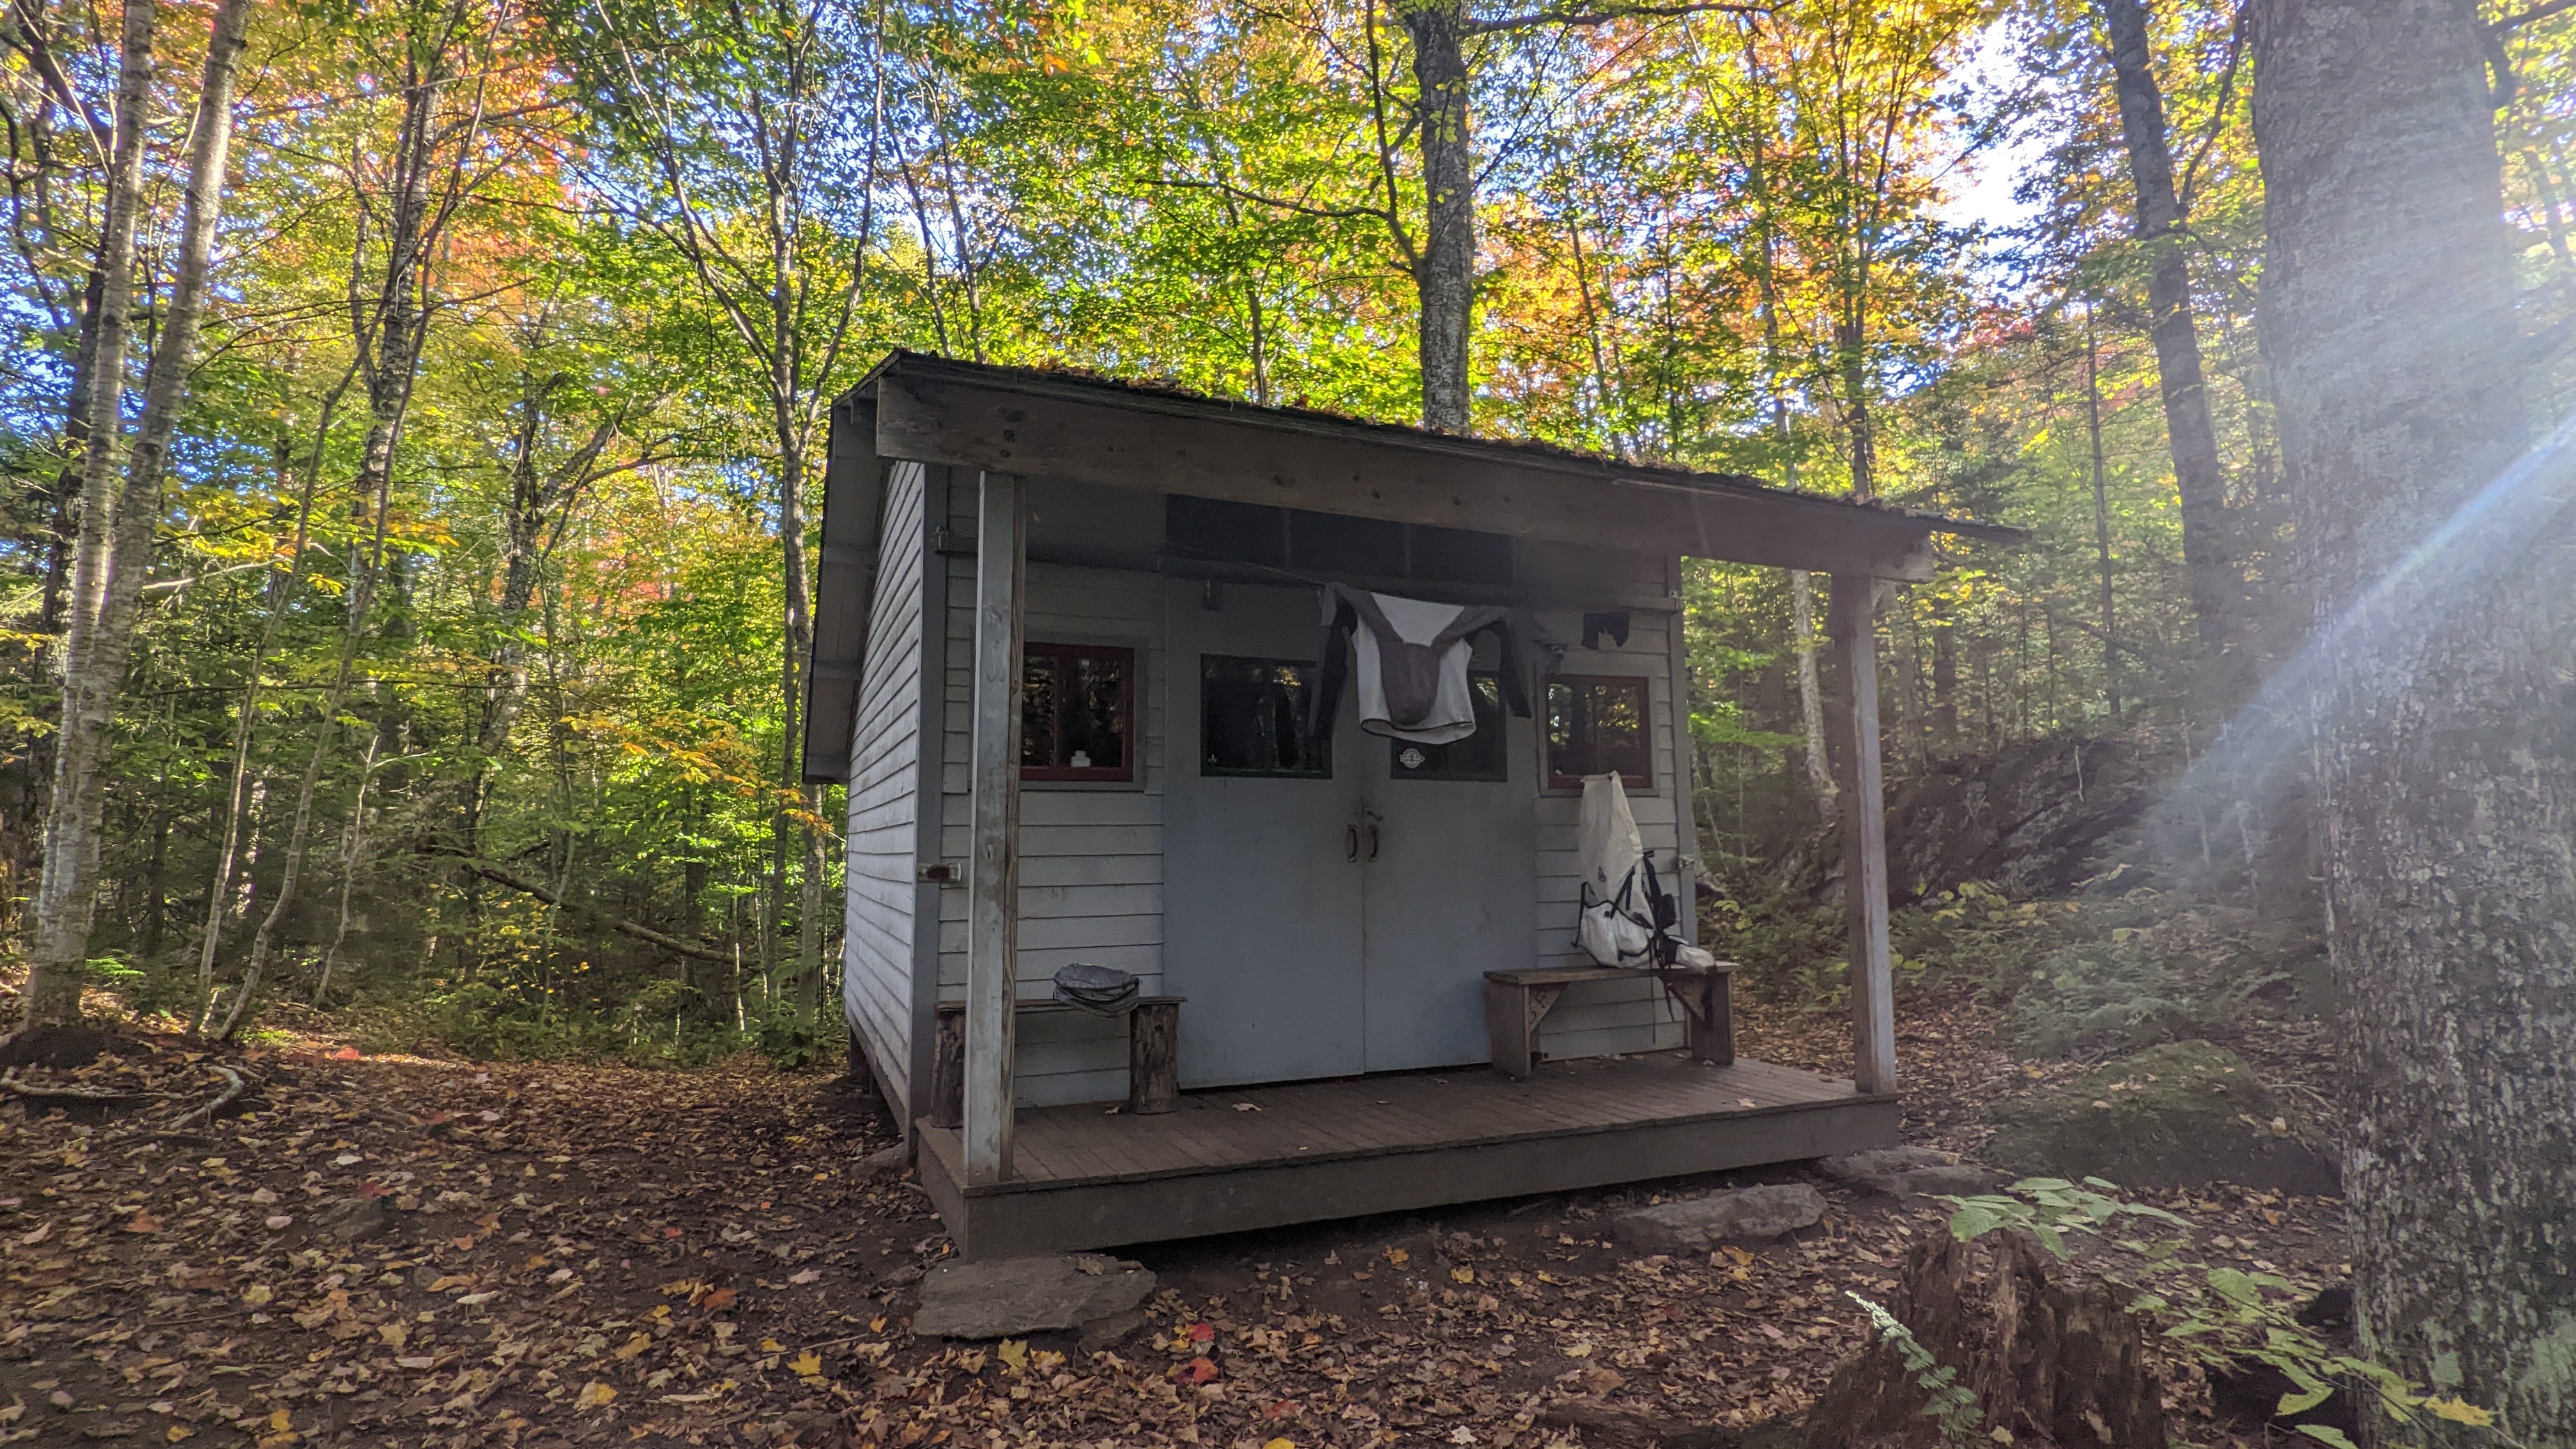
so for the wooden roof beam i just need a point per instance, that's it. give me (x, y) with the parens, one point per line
(1125, 438)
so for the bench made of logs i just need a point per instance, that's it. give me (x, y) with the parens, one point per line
(1517, 1001)
(1153, 1057)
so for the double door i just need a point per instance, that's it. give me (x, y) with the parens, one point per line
(1330, 906)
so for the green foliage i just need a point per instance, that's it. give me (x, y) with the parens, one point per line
(1947, 1402)
(2216, 1316)
(2145, 968)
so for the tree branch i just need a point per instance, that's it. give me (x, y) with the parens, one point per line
(1281, 203)
(2537, 12)
(618, 924)
(1627, 12)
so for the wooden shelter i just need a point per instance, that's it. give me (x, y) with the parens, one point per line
(1063, 655)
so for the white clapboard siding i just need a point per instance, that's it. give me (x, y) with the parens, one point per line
(885, 756)
(1091, 859)
(1611, 1017)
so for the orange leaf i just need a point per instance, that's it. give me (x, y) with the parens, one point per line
(143, 1223)
(1202, 1332)
(1196, 1371)
(348, 1054)
(719, 1300)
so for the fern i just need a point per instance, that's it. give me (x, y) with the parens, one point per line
(1947, 1402)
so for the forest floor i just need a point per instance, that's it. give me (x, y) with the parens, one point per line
(400, 1250)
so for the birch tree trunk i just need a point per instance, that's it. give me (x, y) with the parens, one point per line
(66, 895)
(2209, 564)
(117, 532)
(2444, 752)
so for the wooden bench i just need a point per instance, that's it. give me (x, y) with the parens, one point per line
(1517, 1001)
(1153, 1057)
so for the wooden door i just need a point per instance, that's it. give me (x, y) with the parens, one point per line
(1262, 877)
(1448, 849)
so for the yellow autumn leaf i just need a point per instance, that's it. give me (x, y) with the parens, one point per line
(1462, 1275)
(807, 1365)
(279, 1422)
(1280, 1444)
(177, 1432)
(393, 1335)
(2460, 1411)
(635, 1345)
(771, 1345)
(1015, 1353)
(594, 1395)
(1397, 1256)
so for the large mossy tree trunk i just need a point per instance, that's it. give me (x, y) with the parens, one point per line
(2445, 744)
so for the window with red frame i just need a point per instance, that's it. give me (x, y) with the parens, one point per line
(1596, 723)
(1078, 713)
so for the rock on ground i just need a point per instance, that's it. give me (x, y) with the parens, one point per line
(1908, 1172)
(2176, 1115)
(1698, 1222)
(1010, 1296)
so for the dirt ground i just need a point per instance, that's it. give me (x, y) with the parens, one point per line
(403, 1251)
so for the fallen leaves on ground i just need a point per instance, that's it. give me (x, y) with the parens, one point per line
(415, 1252)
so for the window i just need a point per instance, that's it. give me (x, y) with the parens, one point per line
(1077, 713)
(1596, 724)
(1480, 756)
(1252, 719)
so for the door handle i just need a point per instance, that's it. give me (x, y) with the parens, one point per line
(1372, 840)
(1350, 842)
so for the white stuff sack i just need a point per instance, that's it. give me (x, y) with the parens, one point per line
(1617, 927)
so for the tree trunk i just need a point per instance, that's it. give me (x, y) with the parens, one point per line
(402, 323)
(2101, 515)
(2445, 760)
(281, 597)
(1445, 273)
(1811, 694)
(117, 537)
(2209, 564)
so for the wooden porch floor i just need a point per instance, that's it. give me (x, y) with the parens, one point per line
(1314, 1151)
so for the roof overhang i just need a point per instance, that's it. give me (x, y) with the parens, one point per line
(1054, 425)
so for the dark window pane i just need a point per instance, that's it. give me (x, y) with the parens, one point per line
(1461, 556)
(1204, 528)
(1038, 709)
(1338, 543)
(1077, 712)
(1252, 719)
(1480, 756)
(1094, 723)
(1595, 725)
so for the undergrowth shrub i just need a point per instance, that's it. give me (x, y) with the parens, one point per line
(2146, 968)
(2102, 974)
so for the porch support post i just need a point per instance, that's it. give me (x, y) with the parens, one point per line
(992, 911)
(1853, 625)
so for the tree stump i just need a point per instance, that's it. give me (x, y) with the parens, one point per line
(2047, 1354)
